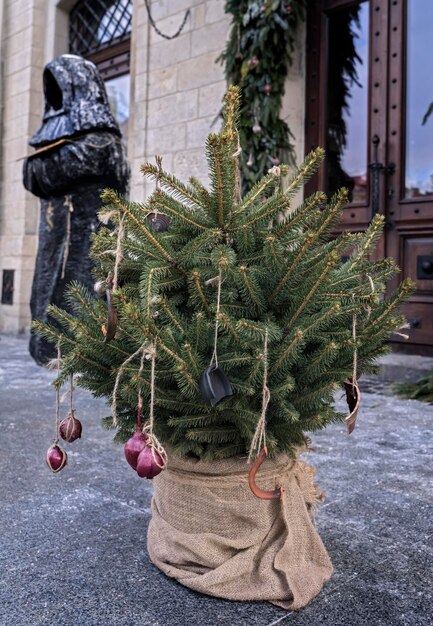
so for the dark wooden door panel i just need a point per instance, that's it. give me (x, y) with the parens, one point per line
(389, 38)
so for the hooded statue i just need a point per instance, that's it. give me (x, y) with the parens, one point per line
(78, 153)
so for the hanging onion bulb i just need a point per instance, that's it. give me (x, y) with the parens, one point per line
(134, 446)
(70, 428)
(56, 458)
(149, 463)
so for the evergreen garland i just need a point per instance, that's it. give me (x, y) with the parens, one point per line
(257, 58)
(283, 280)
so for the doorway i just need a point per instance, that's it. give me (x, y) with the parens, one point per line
(369, 103)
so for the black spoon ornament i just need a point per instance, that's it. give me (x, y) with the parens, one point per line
(160, 222)
(214, 384)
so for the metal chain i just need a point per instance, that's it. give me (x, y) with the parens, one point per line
(155, 27)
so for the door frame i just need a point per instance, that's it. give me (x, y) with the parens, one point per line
(386, 119)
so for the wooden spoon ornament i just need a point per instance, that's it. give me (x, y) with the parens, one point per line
(277, 494)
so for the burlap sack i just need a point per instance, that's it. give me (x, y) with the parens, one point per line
(213, 535)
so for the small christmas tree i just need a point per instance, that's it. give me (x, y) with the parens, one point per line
(205, 277)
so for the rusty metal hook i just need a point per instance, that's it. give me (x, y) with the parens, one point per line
(257, 491)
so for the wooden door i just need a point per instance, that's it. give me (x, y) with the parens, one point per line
(369, 87)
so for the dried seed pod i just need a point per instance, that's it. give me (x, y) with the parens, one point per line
(109, 329)
(100, 287)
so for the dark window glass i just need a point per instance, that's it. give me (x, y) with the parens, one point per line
(419, 99)
(347, 101)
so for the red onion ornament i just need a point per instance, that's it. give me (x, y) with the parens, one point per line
(134, 446)
(70, 428)
(56, 458)
(149, 463)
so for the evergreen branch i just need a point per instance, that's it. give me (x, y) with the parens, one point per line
(201, 190)
(162, 202)
(305, 170)
(170, 314)
(312, 291)
(227, 324)
(287, 351)
(251, 290)
(196, 276)
(214, 151)
(270, 209)
(310, 238)
(171, 183)
(315, 201)
(147, 233)
(256, 193)
(373, 233)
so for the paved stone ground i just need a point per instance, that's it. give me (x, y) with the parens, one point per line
(73, 545)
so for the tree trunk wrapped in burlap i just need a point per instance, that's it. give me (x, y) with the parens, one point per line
(213, 535)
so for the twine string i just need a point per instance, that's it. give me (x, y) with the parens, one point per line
(214, 359)
(154, 213)
(59, 356)
(235, 157)
(158, 453)
(71, 393)
(355, 352)
(140, 397)
(119, 376)
(70, 209)
(259, 440)
(158, 160)
(120, 235)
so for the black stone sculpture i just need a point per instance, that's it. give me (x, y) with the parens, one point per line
(78, 153)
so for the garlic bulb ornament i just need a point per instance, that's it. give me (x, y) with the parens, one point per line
(100, 287)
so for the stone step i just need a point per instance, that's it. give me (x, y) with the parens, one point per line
(403, 368)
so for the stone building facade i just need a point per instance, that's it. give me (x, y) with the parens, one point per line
(175, 93)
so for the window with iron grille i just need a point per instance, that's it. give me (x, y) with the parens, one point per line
(100, 30)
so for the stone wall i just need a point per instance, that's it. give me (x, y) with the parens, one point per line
(178, 86)
(22, 63)
(176, 94)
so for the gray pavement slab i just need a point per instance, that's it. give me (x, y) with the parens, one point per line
(73, 545)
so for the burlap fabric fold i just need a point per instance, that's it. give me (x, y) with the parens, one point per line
(209, 532)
